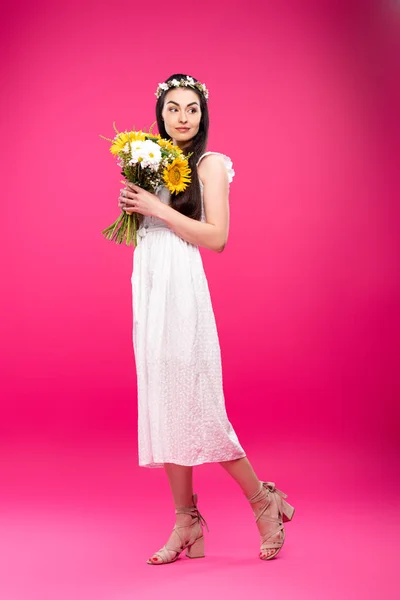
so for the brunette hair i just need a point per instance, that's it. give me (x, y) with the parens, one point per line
(189, 201)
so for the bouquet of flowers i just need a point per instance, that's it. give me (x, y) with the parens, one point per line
(147, 160)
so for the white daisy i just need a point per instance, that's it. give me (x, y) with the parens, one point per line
(150, 154)
(136, 152)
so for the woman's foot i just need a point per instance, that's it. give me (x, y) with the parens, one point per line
(187, 533)
(270, 511)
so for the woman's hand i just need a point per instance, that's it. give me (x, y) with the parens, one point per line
(133, 198)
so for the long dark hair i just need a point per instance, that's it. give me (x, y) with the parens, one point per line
(189, 201)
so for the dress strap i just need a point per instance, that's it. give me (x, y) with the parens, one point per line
(205, 154)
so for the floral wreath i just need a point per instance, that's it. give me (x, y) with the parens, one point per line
(186, 82)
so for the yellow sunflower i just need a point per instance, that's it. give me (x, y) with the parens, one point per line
(124, 137)
(176, 175)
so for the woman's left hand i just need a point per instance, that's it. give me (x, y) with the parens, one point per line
(133, 198)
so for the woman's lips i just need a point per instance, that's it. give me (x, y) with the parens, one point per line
(182, 128)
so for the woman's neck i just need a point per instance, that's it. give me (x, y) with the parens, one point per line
(181, 145)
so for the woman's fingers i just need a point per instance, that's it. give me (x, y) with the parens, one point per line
(127, 202)
(128, 197)
(127, 193)
(133, 187)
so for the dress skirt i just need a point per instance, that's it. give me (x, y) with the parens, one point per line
(182, 417)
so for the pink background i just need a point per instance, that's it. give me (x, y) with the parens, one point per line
(303, 98)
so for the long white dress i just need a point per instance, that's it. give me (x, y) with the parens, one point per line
(181, 407)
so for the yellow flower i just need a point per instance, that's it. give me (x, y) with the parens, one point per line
(126, 136)
(165, 144)
(176, 175)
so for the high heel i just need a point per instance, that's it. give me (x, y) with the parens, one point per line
(271, 516)
(193, 539)
(196, 550)
(287, 511)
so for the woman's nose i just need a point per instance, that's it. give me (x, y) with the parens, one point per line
(182, 117)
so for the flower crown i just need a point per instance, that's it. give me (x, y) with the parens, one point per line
(188, 81)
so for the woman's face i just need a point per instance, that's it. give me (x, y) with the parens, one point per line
(181, 113)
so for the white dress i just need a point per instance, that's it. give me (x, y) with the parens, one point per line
(181, 408)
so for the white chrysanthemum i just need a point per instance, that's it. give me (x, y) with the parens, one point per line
(125, 149)
(175, 82)
(137, 145)
(150, 154)
(136, 152)
(190, 80)
(163, 86)
(134, 159)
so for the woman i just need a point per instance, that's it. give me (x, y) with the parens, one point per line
(182, 419)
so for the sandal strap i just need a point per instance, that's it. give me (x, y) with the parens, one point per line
(162, 553)
(193, 511)
(196, 514)
(267, 543)
(266, 517)
(270, 487)
(270, 545)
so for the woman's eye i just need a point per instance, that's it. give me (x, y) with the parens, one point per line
(193, 110)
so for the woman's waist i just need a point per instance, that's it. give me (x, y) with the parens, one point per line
(146, 228)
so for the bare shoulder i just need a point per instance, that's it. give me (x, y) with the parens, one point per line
(211, 165)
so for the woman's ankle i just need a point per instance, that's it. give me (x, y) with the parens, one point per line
(256, 494)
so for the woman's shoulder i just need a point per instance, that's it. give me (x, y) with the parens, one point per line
(227, 162)
(225, 157)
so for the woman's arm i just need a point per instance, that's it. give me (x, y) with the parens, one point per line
(214, 233)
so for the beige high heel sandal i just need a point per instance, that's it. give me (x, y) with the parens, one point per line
(193, 541)
(274, 498)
